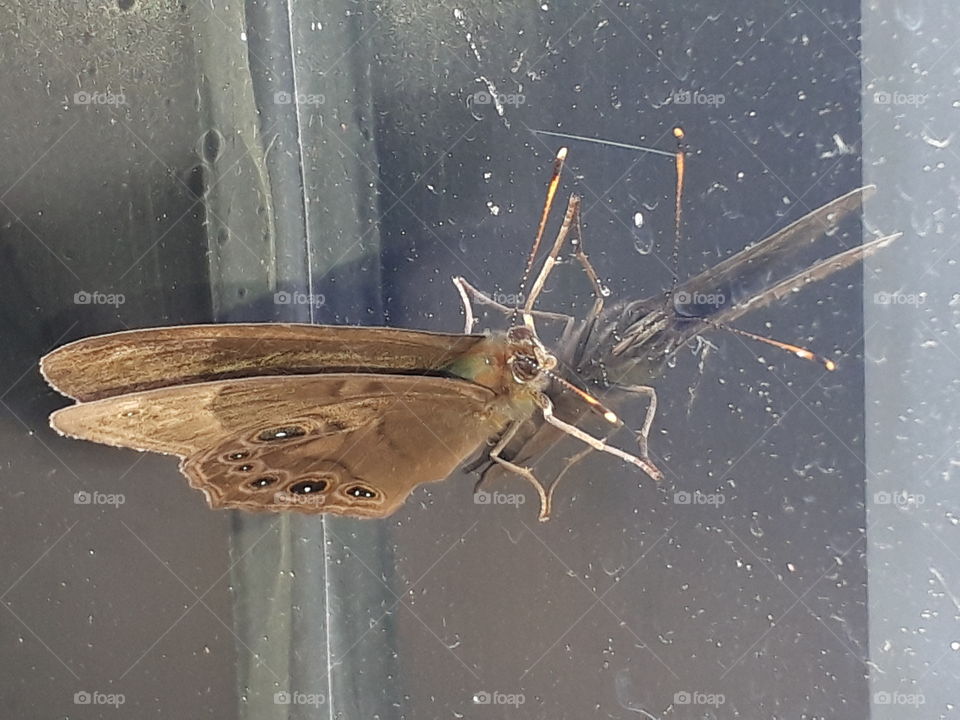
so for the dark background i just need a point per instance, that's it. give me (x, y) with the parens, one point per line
(205, 193)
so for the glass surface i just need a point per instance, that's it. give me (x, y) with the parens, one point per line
(337, 163)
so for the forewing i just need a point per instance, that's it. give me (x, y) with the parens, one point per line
(137, 360)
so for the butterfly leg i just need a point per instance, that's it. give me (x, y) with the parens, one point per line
(571, 219)
(641, 435)
(599, 292)
(571, 223)
(468, 319)
(569, 465)
(468, 291)
(572, 213)
(596, 443)
(523, 472)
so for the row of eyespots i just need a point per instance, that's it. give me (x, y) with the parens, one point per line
(311, 487)
(304, 487)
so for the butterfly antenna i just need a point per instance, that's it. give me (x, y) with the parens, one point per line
(678, 157)
(609, 415)
(551, 193)
(800, 352)
(679, 160)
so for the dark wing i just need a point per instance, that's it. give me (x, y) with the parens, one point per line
(751, 271)
(136, 360)
(815, 273)
(341, 443)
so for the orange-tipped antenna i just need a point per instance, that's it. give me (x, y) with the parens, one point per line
(609, 415)
(801, 352)
(551, 193)
(679, 159)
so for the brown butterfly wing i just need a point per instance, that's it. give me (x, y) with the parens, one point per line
(341, 443)
(137, 360)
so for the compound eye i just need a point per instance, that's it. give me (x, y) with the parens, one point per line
(525, 368)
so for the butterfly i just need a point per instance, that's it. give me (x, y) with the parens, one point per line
(349, 420)
(316, 419)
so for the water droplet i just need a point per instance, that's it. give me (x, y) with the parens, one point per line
(939, 143)
(910, 17)
(643, 241)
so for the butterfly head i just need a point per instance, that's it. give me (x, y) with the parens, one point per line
(528, 359)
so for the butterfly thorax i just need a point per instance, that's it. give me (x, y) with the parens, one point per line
(513, 364)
